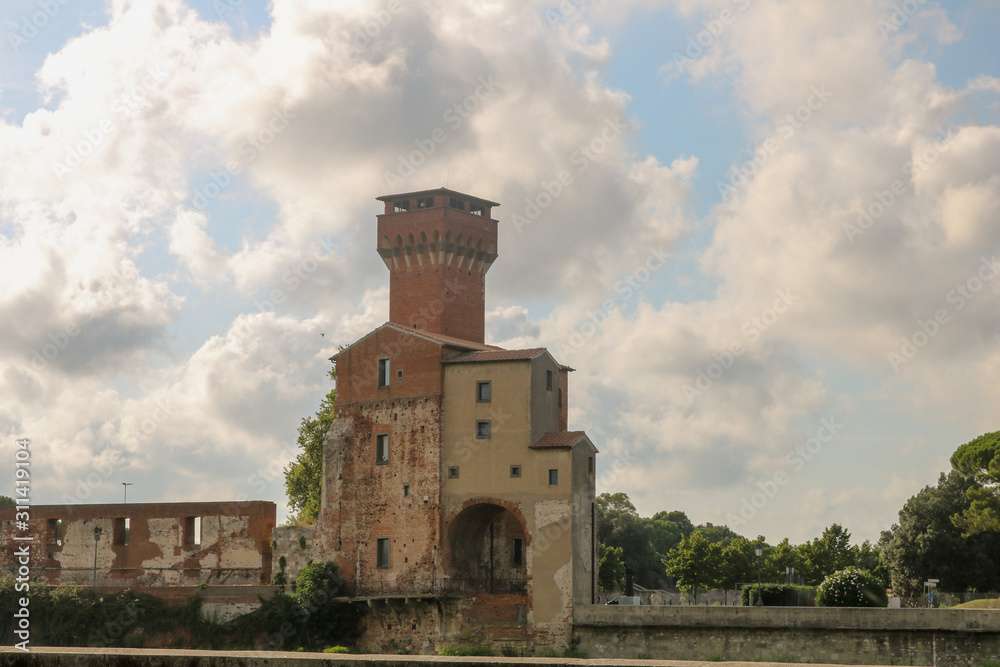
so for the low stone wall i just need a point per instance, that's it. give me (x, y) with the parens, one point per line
(941, 637)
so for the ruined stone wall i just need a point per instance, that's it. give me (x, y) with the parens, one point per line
(293, 550)
(233, 545)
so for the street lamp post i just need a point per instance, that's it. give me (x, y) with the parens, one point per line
(97, 537)
(758, 551)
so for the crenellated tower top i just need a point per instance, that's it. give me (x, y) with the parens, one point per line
(438, 246)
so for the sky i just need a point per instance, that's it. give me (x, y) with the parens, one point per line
(764, 232)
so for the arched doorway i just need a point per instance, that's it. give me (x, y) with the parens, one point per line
(488, 550)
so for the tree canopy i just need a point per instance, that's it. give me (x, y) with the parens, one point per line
(304, 476)
(980, 459)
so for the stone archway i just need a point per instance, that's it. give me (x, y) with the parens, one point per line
(487, 549)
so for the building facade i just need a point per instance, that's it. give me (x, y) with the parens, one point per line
(455, 498)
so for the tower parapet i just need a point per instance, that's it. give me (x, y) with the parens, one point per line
(438, 246)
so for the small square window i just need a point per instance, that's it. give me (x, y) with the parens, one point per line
(484, 392)
(483, 429)
(406, 490)
(452, 472)
(399, 374)
(553, 477)
(382, 552)
(476, 209)
(548, 380)
(515, 471)
(383, 372)
(517, 552)
(426, 202)
(382, 449)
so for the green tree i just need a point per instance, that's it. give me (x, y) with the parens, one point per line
(610, 568)
(777, 559)
(304, 476)
(666, 534)
(927, 544)
(696, 563)
(7, 500)
(980, 459)
(619, 525)
(326, 616)
(851, 587)
(738, 565)
(826, 554)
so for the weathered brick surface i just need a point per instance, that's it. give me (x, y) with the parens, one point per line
(235, 544)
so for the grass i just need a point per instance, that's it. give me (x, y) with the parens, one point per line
(979, 604)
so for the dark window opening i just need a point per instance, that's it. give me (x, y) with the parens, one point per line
(192, 530)
(476, 209)
(382, 449)
(517, 552)
(484, 392)
(553, 477)
(121, 530)
(483, 429)
(399, 374)
(515, 471)
(400, 206)
(382, 552)
(456, 203)
(406, 490)
(452, 472)
(425, 202)
(548, 380)
(383, 372)
(55, 530)
(590, 465)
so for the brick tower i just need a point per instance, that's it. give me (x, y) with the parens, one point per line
(438, 246)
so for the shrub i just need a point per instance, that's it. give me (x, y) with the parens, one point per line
(465, 649)
(778, 595)
(851, 587)
(337, 649)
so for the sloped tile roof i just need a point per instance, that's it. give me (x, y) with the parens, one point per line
(450, 341)
(561, 439)
(495, 354)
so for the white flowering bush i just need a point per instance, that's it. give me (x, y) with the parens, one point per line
(851, 587)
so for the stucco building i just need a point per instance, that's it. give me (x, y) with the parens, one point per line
(455, 498)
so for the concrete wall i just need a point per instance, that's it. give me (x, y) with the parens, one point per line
(799, 634)
(234, 546)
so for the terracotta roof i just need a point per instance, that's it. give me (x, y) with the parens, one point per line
(496, 354)
(561, 439)
(436, 191)
(450, 341)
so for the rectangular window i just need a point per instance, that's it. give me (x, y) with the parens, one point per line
(476, 209)
(590, 465)
(382, 449)
(456, 203)
(515, 471)
(55, 531)
(452, 472)
(548, 380)
(382, 552)
(399, 374)
(426, 202)
(483, 429)
(483, 392)
(383, 372)
(121, 531)
(192, 530)
(400, 206)
(553, 476)
(517, 552)
(406, 490)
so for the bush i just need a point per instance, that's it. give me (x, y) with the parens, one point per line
(851, 587)
(778, 595)
(337, 649)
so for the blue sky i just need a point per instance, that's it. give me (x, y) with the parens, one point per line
(184, 325)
